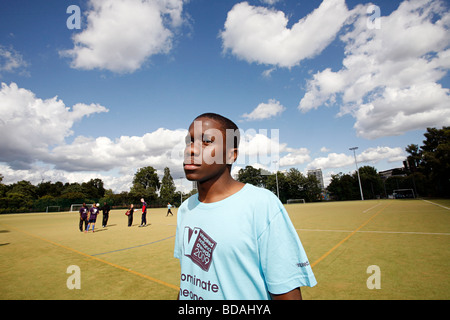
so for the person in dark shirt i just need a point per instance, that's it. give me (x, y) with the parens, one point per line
(144, 213)
(92, 217)
(83, 217)
(106, 208)
(130, 215)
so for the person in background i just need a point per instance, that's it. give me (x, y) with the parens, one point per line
(130, 215)
(169, 206)
(106, 208)
(144, 213)
(92, 217)
(83, 217)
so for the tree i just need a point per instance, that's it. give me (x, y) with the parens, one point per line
(283, 185)
(24, 188)
(251, 175)
(436, 159)
(145, 184)
(50, 189)
(371, 182)
(72, 187)
(167, 193)
(311, 189)
(344, 187)
(93, 188)
(429, 165)
(296, 184)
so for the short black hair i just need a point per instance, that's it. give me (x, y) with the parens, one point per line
(226, 123)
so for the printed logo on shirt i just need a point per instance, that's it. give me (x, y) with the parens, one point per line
(303, 264)
(199, 247)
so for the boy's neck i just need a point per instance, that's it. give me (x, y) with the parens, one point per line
(217, 189)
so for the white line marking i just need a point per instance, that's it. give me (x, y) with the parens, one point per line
(436, 204)
(371, 207)
(394, 232)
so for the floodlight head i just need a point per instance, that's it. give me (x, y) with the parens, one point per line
(354, 148)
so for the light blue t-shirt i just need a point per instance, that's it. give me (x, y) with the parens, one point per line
(239, 248)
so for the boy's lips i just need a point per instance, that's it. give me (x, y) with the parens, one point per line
(188, 166)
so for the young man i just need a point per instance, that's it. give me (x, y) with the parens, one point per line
(233, 240)
(130, 215)
(106, 208)
(169, 206)
(92, 217)
(144, 213)
(83, 217)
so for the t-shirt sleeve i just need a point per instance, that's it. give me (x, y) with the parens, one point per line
(177, 248)
(283, 259)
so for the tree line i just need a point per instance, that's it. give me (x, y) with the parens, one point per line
(426, 170)
(292, 184)
(23, 196)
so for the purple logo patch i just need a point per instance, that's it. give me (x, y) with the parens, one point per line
(199, 247)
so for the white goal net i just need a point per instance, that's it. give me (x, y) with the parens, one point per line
(404, 194)
(77, 206)
(289, 201)
(53, 209)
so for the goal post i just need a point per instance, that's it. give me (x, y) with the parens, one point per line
(53, 209)
(404, 194)
(77, 206)
(291, 201)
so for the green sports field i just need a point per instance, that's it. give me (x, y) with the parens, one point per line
(407, 240)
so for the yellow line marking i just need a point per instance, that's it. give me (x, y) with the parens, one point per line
(348, 237)
(98, 259)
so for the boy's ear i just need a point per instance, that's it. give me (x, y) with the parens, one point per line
(232, 155)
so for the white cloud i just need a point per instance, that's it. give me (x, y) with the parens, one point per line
(158, 149)
(33, 145)
(269, 2)
(39, 173)
(11, 60)
(261, 35)
(295, 157)
(368, 156)
(332, 160)
(122, 34)
(265, 111)
(264, 150)
(29, 126)
(389, 80)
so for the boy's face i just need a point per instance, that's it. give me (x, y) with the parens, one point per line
(206, 153)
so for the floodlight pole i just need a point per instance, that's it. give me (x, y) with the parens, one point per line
(276, 177)
(357, 171)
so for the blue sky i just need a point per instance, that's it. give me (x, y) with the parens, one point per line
(118, 93)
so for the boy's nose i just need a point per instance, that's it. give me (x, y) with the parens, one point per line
(193, 149)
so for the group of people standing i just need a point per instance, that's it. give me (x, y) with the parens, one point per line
(88, 216)
(130, 212)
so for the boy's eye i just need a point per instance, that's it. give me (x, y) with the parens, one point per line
(188, 140)
(208, 140)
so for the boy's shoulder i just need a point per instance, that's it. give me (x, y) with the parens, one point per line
(258, 190)
(249, 194)
(262, 199)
